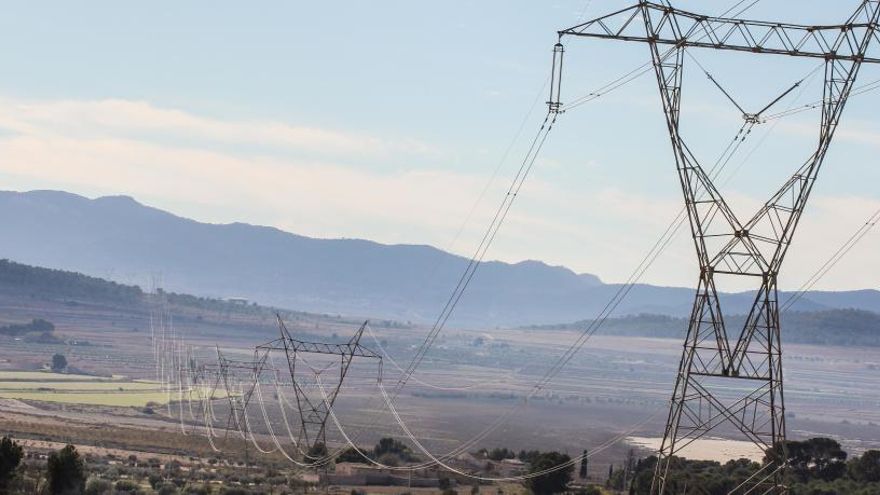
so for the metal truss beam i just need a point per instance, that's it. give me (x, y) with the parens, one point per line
(685, 29)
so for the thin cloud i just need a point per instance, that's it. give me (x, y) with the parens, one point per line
(115, 117)
(110, 147)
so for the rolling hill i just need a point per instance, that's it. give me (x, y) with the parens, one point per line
(19, 283)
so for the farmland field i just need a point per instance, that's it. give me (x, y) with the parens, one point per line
(45, 376)
(78, 386)
(82, 389)
(615, 387)
(106, 398)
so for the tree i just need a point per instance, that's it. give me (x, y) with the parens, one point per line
(389, 446)
(816, 458)
(97, 486)
(350, 455)
(528, 457)
(317, 451)
(10, 457)
(59, 362)
(393, 447)
(628, 467)
(66, 473)
(197, 489)
(867, 467)
(389, 460)
(499, 454)
(126, 486)
(554, 481)
(584, 465)
(155, 479)
(171, 469)
(166, 489)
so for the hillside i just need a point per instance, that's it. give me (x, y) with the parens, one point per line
(120, 239)
(848, 327)
(844, 327)
(36, 301)
(38, 283)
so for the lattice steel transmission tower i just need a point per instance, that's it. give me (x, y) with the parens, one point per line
(314, 412)
(724, 382)
(238, 395)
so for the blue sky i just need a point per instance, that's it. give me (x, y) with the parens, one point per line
(386, 120)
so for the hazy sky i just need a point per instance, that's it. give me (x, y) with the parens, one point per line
(386, 121)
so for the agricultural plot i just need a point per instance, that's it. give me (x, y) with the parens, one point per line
(75, 386)
(83, 389)
(105, 398)
(46, 376)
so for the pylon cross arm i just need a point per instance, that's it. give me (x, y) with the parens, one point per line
(684, 29)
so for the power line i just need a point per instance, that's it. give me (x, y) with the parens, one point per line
(842, 251)
(466, 277)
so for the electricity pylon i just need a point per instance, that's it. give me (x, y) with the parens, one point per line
(314, 412)
(248, 373)
(724, 382)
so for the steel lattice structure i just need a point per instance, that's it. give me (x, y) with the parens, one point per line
(248, 372)
(314, 413)
(755, 248)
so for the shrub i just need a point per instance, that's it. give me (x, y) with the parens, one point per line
(155, 480)
(166, 489)
(127, 486)
(98, 486)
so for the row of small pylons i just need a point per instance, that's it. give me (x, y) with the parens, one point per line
(216, 394)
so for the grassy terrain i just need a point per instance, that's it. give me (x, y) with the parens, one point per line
(45, 376)
(83, 389)
(105, 398)
(93, 386)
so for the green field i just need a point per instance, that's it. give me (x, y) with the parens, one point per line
(75, 386)
(120, 399)
(83, 389)
(46, 376)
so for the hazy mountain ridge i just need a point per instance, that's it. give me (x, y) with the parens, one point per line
(120, 239)
(846, 327)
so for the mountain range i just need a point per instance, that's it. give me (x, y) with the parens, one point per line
(117, 238)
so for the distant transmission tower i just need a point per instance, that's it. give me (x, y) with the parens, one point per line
(722, 382)
(314, 411)
(231, 372)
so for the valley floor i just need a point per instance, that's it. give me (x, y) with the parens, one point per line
(615, 388)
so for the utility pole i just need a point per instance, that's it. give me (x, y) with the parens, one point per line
(713, 366)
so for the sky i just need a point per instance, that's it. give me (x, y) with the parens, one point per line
(404, 122)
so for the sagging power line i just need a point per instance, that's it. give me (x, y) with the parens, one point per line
(698, 193)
